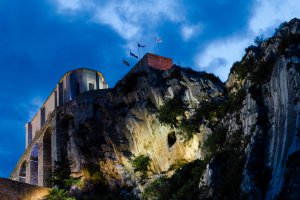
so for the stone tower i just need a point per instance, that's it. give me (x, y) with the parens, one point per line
(42, 140)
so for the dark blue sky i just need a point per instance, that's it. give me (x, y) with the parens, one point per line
(40, 40)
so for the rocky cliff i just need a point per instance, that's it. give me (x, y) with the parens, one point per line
(268, 117)
(126, 128)
(155, 130)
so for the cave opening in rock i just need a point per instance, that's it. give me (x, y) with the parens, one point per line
(171, 139)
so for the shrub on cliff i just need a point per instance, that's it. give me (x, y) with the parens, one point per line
(141, 163)
(58, 194)
(62, 181)
(169, 113)
(184, 184)
(172, 113)
(61, 176)
(214, 142)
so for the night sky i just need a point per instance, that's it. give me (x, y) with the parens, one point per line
(40, 40)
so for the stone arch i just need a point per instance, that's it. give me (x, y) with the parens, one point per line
(22, 172)
(34, 158)
(65, 125)
(47, 158)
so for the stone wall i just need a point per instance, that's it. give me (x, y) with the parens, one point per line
(69, 87)
(12, 190)
(35, 164)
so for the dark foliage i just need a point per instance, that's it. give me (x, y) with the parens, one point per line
(168, 113)
(61, 176)
(182, 185)
(259, 39)
(192, 72)
(214, 142)
(141, 163)
(211, 77)
(176, 73)
(189, 127)
(58, 194)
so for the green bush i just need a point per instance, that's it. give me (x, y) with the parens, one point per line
(215, 142)
(263, 71)
(176, 73)
(182, 185)
(188, 128)
(207, 111)
(61, 176)
(212, 77)
(259, 39)
(168, 113)
(58, 194)
(191, 72)
(62, 181)
(141, 163)
(172, 113)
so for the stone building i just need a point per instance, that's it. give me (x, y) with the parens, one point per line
(42, 133)
(70, 104)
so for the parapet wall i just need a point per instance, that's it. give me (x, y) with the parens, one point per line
(13, 190)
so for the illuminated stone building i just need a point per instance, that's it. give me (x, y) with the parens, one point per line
(51, 133)
(42, 133)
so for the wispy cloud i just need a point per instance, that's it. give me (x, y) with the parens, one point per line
(68, 4)
(267, 15)
(219, 56)
(190, 31)
(134, 20)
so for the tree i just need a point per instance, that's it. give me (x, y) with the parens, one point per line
(62, 181)
(259, 39)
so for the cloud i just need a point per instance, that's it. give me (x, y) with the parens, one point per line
(68, 4)
(131, 19)
(268, 14)
(219, 56)
(190, 31)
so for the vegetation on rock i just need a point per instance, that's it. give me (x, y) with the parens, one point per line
(184, 184)
(141, 163)
(214, 142)
(62, 181)
(58, 194)
(171, 112)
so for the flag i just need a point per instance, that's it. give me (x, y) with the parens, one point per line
(158, 40)
(126, 63)
(139, 45)
(132, 54)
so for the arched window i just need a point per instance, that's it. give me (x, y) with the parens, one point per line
(34, 164)
(22, 173)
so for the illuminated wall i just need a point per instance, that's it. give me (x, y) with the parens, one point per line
(12, 190)
(68, 88)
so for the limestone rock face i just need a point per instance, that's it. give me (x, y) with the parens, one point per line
(258, 108)
(268, 117)
(124, 125)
